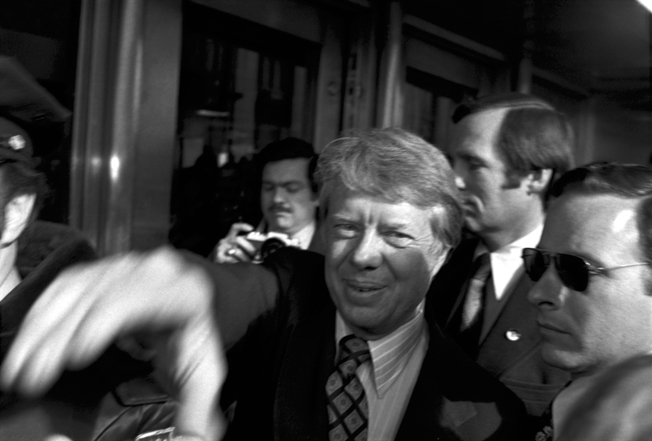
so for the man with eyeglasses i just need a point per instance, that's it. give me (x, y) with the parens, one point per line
(593, 277)
(506, 150)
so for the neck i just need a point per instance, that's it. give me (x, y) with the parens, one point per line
(9, 277)
(495, 240)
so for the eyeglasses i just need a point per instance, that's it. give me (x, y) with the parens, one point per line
(572, 270)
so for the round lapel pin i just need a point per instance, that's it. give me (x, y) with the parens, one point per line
(512, 335)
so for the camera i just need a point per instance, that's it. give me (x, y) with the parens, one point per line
(267, 243)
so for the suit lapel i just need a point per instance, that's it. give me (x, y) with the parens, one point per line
(520, 287)
(309, 359)
(430, 415)
(513, 334)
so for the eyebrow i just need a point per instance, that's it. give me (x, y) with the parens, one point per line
(467, 156)
(589, 258)
(390, 225)
(294, 181)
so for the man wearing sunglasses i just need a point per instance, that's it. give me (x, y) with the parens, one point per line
(593, 276)
(505, 151)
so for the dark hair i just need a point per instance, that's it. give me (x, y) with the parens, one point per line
(398, 166)
(289, 148)
(532, 135)
(624, 180)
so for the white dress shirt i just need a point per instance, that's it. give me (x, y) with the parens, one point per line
(390, 377)
(506, 262)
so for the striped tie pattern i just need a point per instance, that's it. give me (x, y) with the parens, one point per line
(348, 414)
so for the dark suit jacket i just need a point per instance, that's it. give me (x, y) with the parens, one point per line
(515, 362)
(278, 370)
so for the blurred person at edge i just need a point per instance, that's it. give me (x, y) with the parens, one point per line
(113, 399)
(288, 201)
(593, 289)
(390, 215)
(617, 406)
(506, 151)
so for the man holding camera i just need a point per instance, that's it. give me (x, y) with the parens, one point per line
(288, 200)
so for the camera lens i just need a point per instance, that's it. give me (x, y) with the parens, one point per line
(269, 246)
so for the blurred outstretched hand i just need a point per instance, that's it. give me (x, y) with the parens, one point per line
(88, 307)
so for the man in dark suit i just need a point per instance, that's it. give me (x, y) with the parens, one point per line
(335, 347)
(288, 201)
(506, 151)
(593, 290)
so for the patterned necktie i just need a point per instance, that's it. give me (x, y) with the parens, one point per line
(348, 413)
(546, 433)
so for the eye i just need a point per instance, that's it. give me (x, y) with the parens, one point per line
(474, 164)
(398, 238)
(345, 230)
(293, 188)
(267, 187)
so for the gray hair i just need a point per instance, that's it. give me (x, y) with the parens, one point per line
(398, 166)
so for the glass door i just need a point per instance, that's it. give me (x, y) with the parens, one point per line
(242, 86)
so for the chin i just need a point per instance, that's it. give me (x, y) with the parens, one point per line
(365, 321)
(558, 358)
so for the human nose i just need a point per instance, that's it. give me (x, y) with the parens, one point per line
(278, 194)
(459, 179)
(546, 293)
(459, 182)
(367, 252)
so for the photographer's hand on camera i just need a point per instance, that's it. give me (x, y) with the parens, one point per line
(234, 247)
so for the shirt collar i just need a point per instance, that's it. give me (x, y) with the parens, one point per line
(389, 354)
(304, 235)
(530, 240)
(506, 262)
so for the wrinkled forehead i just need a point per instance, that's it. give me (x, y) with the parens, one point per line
(398, 204)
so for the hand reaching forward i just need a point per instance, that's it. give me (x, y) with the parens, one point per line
(89, 306)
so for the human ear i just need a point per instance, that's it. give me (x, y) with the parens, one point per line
(17, 215)
(538, 180)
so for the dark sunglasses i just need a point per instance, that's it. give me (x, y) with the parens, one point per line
(572, 270)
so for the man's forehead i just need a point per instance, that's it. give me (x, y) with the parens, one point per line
(481, 122)
(286, 168)
(593, 221)
(477, 128)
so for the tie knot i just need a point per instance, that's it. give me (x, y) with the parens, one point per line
(482, 266)
(353, 352)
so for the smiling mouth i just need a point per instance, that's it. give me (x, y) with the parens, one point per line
(363, 287)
